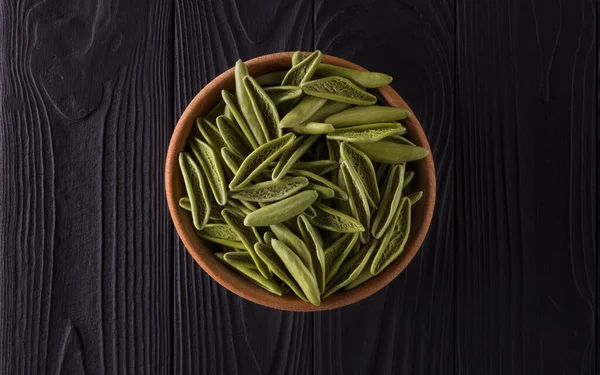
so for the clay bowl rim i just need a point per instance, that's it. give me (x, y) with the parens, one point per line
(202, 253)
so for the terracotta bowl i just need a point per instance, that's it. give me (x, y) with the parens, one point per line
(202, 252)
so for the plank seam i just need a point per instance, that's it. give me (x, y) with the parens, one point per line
(171, 229)
(454, 200)
(597, 183)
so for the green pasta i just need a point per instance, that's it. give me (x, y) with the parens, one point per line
(311, 171)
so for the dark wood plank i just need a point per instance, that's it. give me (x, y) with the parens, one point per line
(407, 328)
(85, 237)
(93, 278)
(215, 331)
(526, 171)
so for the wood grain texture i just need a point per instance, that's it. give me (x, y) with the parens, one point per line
(215, 331)
(85, 276)
(408, 328)
(526, 190)
(93, 278)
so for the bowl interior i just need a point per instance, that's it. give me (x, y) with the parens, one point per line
(202, 252)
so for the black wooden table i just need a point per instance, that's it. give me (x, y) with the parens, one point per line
(94, 279)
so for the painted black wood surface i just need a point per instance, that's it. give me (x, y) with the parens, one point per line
(93, 278)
